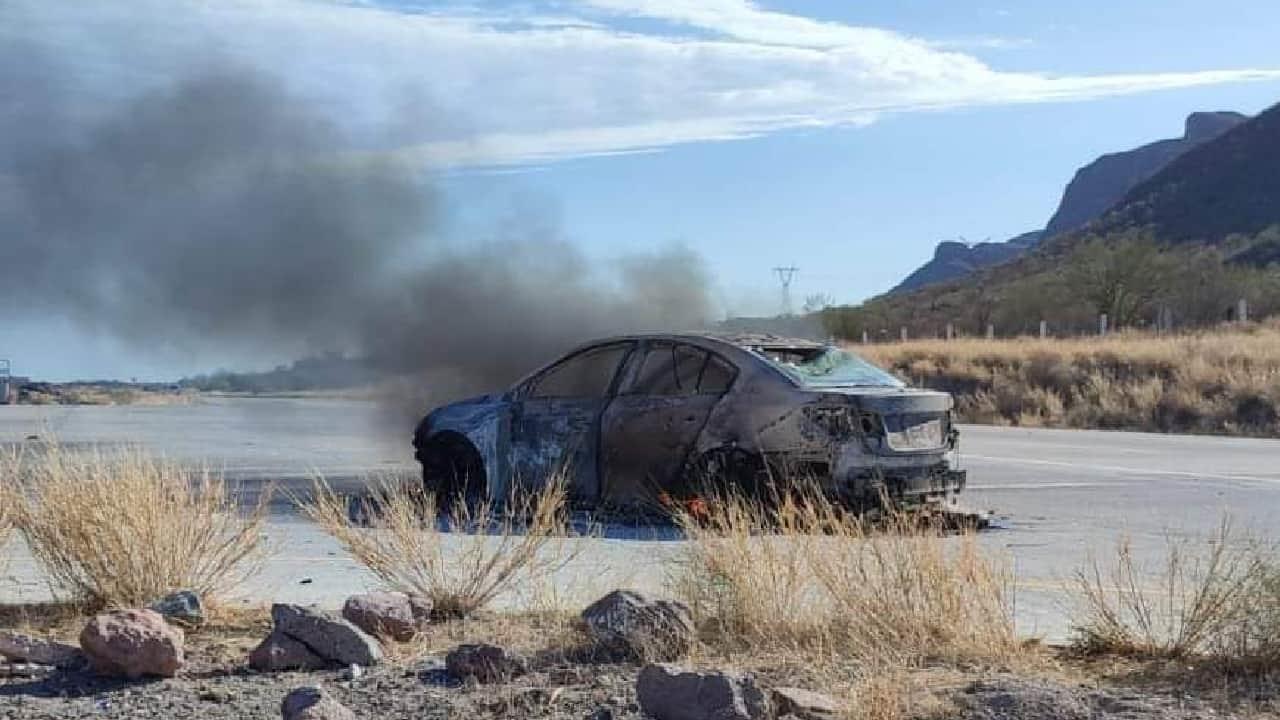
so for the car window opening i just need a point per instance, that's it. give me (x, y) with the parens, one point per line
(828, 367)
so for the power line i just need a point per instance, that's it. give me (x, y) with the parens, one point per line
(785, 276)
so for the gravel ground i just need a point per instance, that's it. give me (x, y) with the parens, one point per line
(1018, 698)
(421, 690)
(569, 680)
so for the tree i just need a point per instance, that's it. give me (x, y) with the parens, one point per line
(1123, 276)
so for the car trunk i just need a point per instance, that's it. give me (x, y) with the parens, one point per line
(899, 420)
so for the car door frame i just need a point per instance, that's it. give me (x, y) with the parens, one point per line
(521, 395)
(649, 403)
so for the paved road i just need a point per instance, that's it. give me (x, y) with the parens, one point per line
(1057, 494)
(1061, 494)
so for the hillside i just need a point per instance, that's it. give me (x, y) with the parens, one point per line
(1182, 249)
(1229, 186)
(1103, 183)
(1093, 190)
(952, 260)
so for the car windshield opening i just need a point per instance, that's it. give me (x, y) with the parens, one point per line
(828, 367)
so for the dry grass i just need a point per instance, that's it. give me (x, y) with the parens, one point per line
(1216, 597)
(121, 527)
(461, 562)
(8, 501)
(799, 576)
(1219, 381)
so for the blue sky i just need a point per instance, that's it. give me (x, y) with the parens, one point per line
(846, 138)
(857, 208)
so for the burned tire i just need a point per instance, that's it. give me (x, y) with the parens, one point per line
(453, 471)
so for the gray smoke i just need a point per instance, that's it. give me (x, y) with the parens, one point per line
(221, 210)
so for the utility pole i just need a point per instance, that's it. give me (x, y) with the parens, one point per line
(785, 276)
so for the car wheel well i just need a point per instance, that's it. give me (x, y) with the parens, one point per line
(453, 469)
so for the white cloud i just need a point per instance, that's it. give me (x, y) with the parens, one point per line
(520, 87)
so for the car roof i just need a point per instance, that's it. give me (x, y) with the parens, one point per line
(744, 341)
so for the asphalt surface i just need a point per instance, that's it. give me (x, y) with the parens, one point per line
(1056, 495)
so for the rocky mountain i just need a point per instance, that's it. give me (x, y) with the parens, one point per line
(1103, 183)
(1096, 188)
(954, 259)
(1230, 186)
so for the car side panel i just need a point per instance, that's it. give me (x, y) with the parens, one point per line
(646, 441)
(552, 436)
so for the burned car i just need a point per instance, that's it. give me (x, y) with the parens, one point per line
(635, 419)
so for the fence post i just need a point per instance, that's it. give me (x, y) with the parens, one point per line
(1102, 324)
(864, 337)
(991, 331)
(1044, 329)
(904, 333)
(1242, 311)
(951, 331)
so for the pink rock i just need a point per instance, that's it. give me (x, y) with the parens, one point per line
(132, 644)
(22, 648)
(386, 614)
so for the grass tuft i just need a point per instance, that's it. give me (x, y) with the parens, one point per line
(122, 528)
(1217, 598)
(8, 501)
(462, 561)
(798, 574)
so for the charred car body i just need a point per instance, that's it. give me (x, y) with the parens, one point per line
(637, 418)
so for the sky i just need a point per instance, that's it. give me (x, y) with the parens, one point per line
(844, 138)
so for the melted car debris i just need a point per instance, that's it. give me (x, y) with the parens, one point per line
(642, 420)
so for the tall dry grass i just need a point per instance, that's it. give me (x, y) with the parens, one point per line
(1215, 597)
(462, 561)
(800, 575)
(8, 500)
(1221, 381)
(122, 527)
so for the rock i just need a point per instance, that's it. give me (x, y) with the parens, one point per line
(216, 695)
(485, 663)
(132, 644)
(18, 647)
(280, 652)
(26, 670)
(312, 703)
(666, 692)
(182, 607)
(802, 704)
(383, 614)
(332, 638)
(633, 623)
(525, 702)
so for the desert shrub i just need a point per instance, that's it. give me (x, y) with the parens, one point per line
(747, 571)
(911, 593)
(802, 574)
(122, 527)
(1213, 596)
(461, 561)
(1221, 381)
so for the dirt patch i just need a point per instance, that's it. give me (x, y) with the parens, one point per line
(569, 679)
(1034, 699)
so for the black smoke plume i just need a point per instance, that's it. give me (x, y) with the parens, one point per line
(221, 210)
